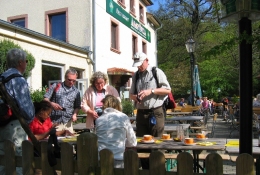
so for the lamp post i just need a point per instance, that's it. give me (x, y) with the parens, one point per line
(219, 90)
(190, 46)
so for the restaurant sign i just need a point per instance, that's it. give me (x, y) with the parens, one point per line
(120, 14)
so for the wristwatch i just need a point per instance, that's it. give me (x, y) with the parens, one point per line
(152, 91)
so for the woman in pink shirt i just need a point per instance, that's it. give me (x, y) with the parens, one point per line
(92, 100)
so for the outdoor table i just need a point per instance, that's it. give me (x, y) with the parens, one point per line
(169, 127)
(255, 152)
(179, 146)
(182, 119)
(178, 113)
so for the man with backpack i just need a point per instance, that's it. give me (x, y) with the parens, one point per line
(149, 97)
(17, 88)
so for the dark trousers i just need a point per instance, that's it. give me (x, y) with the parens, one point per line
(144, 127)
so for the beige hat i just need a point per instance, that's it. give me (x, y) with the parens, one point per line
(139, 58)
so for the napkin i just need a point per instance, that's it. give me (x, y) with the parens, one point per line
(156, 141)
(72, 139)
(233, 143)
(206, 143)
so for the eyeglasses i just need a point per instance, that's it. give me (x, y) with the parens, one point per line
(71, 80)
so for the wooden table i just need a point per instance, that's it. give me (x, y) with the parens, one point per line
(167, 127)
(255, 152)
(185, 118)
(178, 113)
(179, 146)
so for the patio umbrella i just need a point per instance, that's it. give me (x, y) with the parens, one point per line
(196, 82)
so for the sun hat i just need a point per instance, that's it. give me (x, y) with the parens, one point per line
(139, 58)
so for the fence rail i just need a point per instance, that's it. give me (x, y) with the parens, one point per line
(87, 161)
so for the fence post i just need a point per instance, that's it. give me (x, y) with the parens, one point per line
(67, 160)
(9, 148)
(245, 164)
(46, 168)
(157, 163)
(87, 154)
(106, 162)
(28, 157)
(184, 164)
(214, 164)
(131, 163)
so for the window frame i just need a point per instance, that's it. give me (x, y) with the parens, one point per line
(144, 47)
(117, 43)
(24, 16)
(55, 12)
(132, 7)
(134, 44)
(141, 13)
(122, 3)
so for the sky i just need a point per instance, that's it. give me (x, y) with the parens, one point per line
(155, 5)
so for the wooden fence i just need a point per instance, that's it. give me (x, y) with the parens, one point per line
(87, 161)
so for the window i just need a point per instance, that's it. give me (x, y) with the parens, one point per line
(132, 7)
(20, 20)
(144, 47)
(122, 3)
(115, 37)
(56, 24)
(134, 44)
(141, 13)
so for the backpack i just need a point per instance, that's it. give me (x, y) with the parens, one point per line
(5, 109)
(169, 102)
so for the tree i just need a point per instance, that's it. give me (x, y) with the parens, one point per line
(5, 46)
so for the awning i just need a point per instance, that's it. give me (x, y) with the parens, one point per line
(119, 71)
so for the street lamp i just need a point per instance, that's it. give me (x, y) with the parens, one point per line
(190, 46)
(219, 90)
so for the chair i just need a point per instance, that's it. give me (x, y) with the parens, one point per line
(218, 107)
(187, 109)
(215, 116)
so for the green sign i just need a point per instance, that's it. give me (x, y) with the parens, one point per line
(120, 14)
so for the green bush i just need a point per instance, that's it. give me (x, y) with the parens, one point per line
(127, 106)
(37, 95)
(5, 46)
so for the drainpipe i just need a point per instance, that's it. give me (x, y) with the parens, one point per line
(94, 33)
(156, 57)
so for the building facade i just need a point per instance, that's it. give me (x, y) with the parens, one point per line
(110, 31)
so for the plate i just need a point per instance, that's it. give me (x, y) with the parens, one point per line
(144, 141)
(170, 139)
(191, 144)
(202, 139)
(60, 138)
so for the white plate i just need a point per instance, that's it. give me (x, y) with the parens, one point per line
(170, 139)
(60, 138)
(151, 141)
(191, 144)
(202, 139)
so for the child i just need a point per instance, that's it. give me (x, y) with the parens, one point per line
(41, 124)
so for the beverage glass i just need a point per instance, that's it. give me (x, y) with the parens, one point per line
(180, 133)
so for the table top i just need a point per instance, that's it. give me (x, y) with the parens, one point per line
(190, 118)
(179, 113)
(172, 145)
(167, 127)
(235, 150)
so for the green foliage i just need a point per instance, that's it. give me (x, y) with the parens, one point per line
(37, 95)
(5, 46)
(127, 106)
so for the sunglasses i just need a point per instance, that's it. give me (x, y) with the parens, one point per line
(71, 80)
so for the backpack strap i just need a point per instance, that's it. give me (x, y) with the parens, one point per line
(154, 71)
(5, 80)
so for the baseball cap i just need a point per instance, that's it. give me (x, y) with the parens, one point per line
(139, 58)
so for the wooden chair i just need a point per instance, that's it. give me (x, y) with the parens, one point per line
(215, 116)
(218, 107)
(187, 109)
